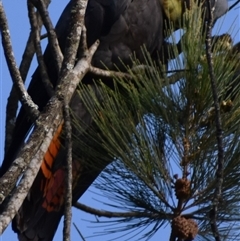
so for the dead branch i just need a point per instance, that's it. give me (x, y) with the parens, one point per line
(12, 104)
(72, 46)
(24, 97)
(68, 198)
(172, 79)
(109, 73)
(108, 214)
(32, 153)
(36, 30)
(77, 31)
(52, 37)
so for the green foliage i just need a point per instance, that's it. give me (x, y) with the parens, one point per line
(156, 132)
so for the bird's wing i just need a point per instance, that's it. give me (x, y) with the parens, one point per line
(97, 11)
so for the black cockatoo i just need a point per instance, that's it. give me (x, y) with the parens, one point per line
(123, 27)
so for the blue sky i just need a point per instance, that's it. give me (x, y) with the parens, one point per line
(16, 11)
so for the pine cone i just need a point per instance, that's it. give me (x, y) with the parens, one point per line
(180, 227)
(183, 228)
(193, 226)
(182, 188)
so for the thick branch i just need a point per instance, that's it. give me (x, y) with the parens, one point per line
(12, 104)
(68, 85)
(32, 153)
(77, 31)
(69, 82)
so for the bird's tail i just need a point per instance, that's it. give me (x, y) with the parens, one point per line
(39, 216)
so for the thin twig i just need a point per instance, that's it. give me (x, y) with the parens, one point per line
(234, 5)
(36, 30)
(109, 73)
(77, 31)
(219, 132)
(108, 214)
(43, 36)
(26, 100)
(79, 232)
(68, 197)
(172, 79)
(52, 37)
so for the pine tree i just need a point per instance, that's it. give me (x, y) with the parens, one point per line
(174, 139)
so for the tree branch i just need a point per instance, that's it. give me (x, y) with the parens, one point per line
(52, 37)
(36, 30)
(109, 73)
(219, 132)
(24, 97)
(108, 214)
(32, 153)
(77, 31)
(68, 198)
(234, 5)
(172, 79)
(12, 104)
